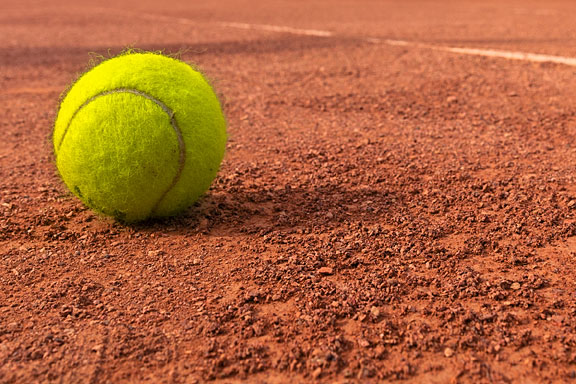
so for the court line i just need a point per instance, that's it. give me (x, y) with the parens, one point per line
(496, 53)
(503, 54)
(278, 28)
(510, 55)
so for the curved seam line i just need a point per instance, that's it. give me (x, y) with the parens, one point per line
(165, 108)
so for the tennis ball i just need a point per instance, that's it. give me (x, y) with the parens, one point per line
(140, 135)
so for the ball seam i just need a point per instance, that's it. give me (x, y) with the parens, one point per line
(171, 114)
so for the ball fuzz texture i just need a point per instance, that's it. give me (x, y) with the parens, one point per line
(140, 135)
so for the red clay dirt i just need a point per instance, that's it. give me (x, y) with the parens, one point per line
(383, 213)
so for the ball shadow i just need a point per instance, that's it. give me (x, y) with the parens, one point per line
(236, 212)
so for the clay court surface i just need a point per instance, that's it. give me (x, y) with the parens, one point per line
(390, 208)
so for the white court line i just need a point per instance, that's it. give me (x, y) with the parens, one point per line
(534, 57)
(279, 28)
(509, 55)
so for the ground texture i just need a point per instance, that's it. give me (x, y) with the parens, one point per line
(384, 212)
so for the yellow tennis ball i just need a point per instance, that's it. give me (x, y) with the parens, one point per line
(140, 135)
